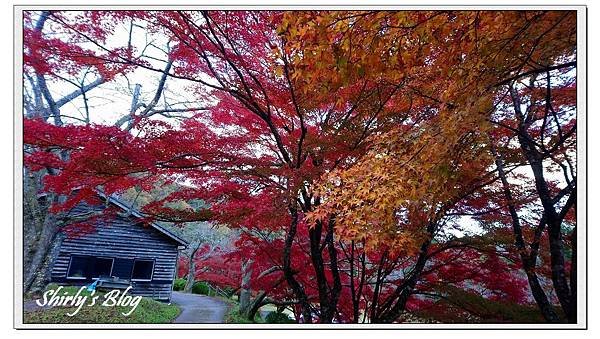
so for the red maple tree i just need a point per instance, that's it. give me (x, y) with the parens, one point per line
(341, 178)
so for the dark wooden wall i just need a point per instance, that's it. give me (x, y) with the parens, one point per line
(122, 238)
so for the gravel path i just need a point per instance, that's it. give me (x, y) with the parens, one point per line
(198, 309)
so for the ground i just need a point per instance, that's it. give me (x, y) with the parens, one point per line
(185, 308)
(197, 309)
(148, 312)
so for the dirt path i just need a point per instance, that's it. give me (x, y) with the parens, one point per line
(197, 309)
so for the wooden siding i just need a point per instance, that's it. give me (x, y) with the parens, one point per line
(123, 239)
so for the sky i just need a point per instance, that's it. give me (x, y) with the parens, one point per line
(112, 100)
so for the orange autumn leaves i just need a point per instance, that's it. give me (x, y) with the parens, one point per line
(407, 180)
(449, 70)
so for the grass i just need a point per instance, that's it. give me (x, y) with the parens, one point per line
(147, 312)
(233, 316)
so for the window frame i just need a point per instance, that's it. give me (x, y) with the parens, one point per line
(71, 263)
(151, 272)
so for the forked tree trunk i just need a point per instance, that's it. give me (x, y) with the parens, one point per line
(527, 260)
(553, 219)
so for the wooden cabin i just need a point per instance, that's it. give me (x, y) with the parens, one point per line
(120, 248)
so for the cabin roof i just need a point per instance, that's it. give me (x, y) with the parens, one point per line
(117, 202)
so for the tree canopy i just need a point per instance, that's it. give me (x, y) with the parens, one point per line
(377, 165)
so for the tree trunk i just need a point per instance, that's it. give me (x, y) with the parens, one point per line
(42, 246)
(255, 305)
(245, 292)
(43, 278)
(554, 222)
(390, 310)
(33, 217)
(287, 268)
(191, 276)
(527, 261)
(553, 219)
(316, 257)
(336, 289)
(573, 274)
(406, 289)
(328, 295)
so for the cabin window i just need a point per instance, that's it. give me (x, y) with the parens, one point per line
(142, 270)
(122, 268)
(78, 267)
(88, 267)
(102, 267)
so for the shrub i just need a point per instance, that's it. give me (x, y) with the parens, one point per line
(278, 318)
(51, 286)
(229, 291)
(179, 284)
(200, 287)
(233, 316)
